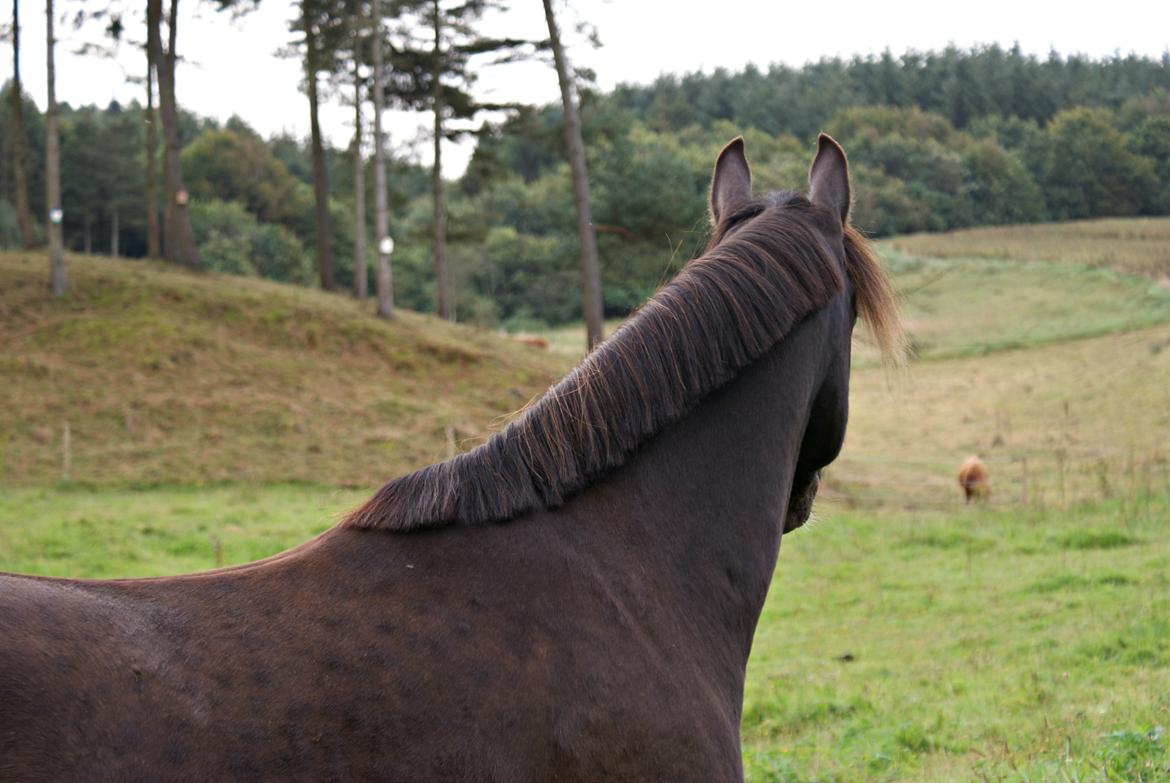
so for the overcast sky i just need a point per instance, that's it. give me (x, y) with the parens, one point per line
(231, 67)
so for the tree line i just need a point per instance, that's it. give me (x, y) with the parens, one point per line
(416, 54)
(937, 140)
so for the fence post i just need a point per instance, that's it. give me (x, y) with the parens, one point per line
(66, 452)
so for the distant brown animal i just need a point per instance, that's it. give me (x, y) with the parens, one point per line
(533, 342)
(973, 478)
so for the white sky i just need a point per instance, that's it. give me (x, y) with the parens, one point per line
(231, 67)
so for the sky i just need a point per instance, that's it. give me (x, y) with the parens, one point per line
(232, 66)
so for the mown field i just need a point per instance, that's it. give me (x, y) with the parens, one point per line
(907, 637)
(1135, 245)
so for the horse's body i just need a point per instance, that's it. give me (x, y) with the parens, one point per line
(974, 480)
(601, 638)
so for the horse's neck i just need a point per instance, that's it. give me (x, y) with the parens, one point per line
(701, 507)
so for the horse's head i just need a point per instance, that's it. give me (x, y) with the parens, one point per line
(814, 225)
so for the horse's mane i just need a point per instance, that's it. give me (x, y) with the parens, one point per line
(721, 312)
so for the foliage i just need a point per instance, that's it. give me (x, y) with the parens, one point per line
(958, 85)
(1090, 171)
(236, 165)
(231, 239)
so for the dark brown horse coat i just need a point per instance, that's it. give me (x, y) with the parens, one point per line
(579, 624)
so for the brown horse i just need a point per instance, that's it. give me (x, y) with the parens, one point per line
(974, 480)
(574, 600)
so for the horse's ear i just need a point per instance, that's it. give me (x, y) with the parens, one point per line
(828, 178)
(731, 184)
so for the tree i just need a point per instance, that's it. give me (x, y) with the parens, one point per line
(1089, 170)
(153, 239)
(178, 236)
(58, 277)
(359, 173)
(24, 217)
(316, 22)
(436, 74)
(384, 280)
(87, 169)
(590, 268)
(439, 212)
(232, 240)
(236, 165)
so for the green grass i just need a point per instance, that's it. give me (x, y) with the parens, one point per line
(975, 644)
(86, 532)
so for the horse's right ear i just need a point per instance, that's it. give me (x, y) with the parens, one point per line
(731, 184)
(828, 178)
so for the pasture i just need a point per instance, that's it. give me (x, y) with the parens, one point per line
(1138, 246)
(906, 637)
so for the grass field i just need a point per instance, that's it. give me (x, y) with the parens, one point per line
(906, 638)
(973, 306)
(971, 645)
(1136, 245)
(1075, 420)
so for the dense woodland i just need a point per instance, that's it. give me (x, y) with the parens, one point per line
(937, 141)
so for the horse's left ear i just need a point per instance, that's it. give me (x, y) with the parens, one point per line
(731, 184)
(828, 178)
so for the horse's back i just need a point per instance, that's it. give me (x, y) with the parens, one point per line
(452, 656)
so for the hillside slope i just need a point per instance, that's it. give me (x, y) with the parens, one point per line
(1139, 246)
(168, 377)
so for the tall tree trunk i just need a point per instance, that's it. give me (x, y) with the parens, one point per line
(114, 233)
(439, 211)
(359, 181)
(24, 218)
(58, 278)
(590, 267)
(153, 240)
(381, 218)
(320, 176)
(178, 236)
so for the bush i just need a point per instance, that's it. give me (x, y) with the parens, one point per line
(232, 240)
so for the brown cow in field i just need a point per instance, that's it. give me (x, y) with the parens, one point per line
(532, 342)
(973, 478)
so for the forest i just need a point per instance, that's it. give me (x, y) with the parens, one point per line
(937, 141)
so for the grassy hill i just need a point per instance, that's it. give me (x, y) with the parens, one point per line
(168, 377)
